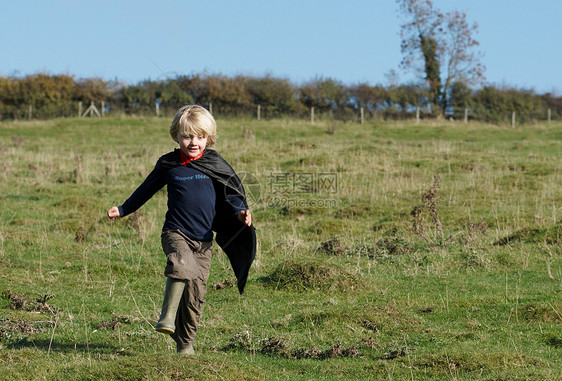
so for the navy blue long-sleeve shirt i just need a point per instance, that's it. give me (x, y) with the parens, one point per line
(191, 200)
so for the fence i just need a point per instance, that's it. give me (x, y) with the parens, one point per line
(259, 112)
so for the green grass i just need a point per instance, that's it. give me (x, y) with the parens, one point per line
(343, 287)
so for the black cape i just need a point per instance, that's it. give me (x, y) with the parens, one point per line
(235, 238)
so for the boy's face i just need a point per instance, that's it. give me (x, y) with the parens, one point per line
(191, 145)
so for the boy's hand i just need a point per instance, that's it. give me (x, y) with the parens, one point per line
(113, 213)
(245, 217)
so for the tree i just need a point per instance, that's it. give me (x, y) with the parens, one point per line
(324, 94)
(92, 89)
(364, 95)
(460, 99)
(274, 95)
(444, 42)
(496, 105)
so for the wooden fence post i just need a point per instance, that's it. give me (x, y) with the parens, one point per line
(92, 110)
(211, 107)
(30, 114)
(362, 115)
(465, 115)
(103, 109)
(157, 109)
(513, 119)
(79, 109)
(549, 115)
(312, 115)
(259, 112)
(417, 114)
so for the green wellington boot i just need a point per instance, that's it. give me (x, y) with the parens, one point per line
(172, 296)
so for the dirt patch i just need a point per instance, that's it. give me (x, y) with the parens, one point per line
(279, 346)
(395, 351)
(370, 343)
(10, 329)
(338, 350)
(426, 310)
(17, 302)
(332, 246)
(242, 340)
(392, 246)
(371, 326)
(117, 321)
(227, 283)
(274, 345)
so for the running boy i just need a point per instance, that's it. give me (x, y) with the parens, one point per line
(204, 195)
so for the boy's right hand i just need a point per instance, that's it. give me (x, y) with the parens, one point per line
(113, 213)
(245, 217)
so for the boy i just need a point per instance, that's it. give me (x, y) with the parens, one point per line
(204, 195)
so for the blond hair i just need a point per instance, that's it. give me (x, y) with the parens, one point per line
(194, 120)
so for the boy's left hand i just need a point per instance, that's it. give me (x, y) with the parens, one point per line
(245, 217)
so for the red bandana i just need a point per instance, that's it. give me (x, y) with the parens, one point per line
(186, 159)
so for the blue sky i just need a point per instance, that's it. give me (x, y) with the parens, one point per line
(352, 41)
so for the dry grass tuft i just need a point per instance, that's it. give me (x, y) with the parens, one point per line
(475, 229)
(248, 133)
(79, 171)
(429, 205)
(82, 233)
(18, 140)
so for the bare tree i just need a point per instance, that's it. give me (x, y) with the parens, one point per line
(445, 43)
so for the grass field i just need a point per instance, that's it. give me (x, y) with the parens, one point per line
(387, 251)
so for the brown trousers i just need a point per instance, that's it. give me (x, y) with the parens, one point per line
(188, 260)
